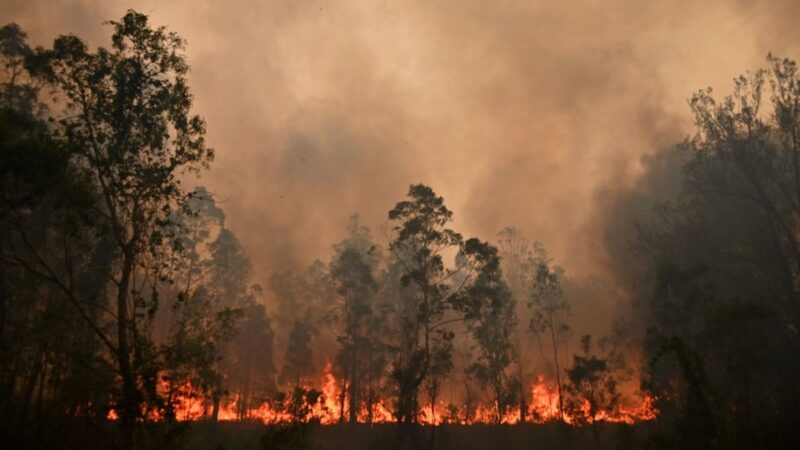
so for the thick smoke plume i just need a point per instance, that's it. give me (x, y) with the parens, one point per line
(533, 114)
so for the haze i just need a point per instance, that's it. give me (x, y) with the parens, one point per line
(531, 114)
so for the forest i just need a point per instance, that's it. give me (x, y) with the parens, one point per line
(132, 315)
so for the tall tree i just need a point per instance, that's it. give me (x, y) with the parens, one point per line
(519, 260)
(298, 361)
(491, 320)
(352, 271)
(126, 119)
(214, 292)
(421, 237)
(249, 361)
(433, 294)
(548, 322)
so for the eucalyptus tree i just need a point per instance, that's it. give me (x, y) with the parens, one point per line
(548, 323)
(215, 293)
(490, 313)
(434, 296)
(298, 360)
(353, 271)
(421, 236)
(125, 116)
(518, 260)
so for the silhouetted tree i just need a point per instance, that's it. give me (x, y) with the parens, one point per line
(723, 271)
(249, 360)
(20, 90)
(433, 294)
(352, 271)
(519, 261)
(548, 321)
(592, 389)
(48, 346)
(126, 120)
(298, 362)
(421, 238)
(491, 320)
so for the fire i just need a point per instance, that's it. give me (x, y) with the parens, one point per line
(544, 401)
(330, 407)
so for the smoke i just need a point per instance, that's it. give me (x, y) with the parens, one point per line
(540, 115)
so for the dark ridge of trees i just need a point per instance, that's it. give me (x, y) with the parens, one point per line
(722, 311)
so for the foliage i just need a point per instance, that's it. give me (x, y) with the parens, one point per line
(549, 309)
(592, 388)
(491, 320)
(298, 362)
(360, 355)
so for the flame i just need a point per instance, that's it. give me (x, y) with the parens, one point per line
(544, 401)
(189, 404)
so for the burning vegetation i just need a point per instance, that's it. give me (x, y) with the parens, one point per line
(331, 405)
(129, 305)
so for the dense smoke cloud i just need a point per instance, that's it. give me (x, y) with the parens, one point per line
(539, 115)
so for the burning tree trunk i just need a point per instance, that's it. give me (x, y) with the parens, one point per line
(215, 399)
(354, 389)
(522, 392)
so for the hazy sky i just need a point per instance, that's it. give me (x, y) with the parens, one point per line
(529, 114)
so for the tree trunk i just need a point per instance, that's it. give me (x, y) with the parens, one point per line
(215, 408)
(558, 369)
(523, 399)
(28, 391)
(354, 387)
(129, 411)
(342, 395)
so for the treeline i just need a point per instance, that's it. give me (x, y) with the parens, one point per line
(719, 284)
(123, 293)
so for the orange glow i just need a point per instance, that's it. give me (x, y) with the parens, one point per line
(544, 401)
(190, 404)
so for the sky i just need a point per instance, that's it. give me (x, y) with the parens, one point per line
(538, 114)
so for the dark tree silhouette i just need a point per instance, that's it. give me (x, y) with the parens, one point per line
(491, 320)
(298, 362)
(592, 389)
(126, 122)
(352, 271)
(548, 321)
